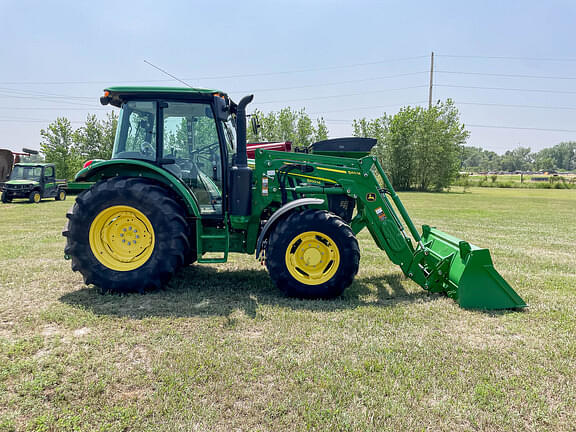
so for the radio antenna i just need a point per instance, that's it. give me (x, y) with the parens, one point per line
(169, 74)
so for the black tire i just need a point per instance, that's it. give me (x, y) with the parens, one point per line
(166, 216)
(339, 235)
(6, 198)
(33, 197)
(60, 195)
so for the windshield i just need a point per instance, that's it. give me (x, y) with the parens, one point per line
(26, 173)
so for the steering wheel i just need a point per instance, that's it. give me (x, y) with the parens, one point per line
(204, 149)
(147, 150)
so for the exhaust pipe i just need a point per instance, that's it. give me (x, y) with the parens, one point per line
(240, 198)
(241, 156)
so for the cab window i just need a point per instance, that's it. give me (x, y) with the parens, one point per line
(137, 131)
(190, 140)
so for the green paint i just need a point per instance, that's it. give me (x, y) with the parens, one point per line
(152, 90)
(136, 168)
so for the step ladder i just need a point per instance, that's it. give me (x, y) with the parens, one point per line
(202, 240)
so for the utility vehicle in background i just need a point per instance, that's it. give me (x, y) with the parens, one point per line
(33, 181)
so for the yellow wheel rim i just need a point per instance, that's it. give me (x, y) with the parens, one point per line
(37, 197)
(312, 258)
(121, 238)
(61, 195)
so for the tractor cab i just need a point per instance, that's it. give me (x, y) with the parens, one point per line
(189, 134)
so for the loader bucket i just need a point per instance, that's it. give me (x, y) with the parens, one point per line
(472, 279)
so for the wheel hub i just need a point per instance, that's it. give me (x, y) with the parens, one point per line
(122, 238)
(312, 258)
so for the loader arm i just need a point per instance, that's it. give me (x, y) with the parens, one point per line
(434, 260)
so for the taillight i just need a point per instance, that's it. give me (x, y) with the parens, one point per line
(88, 163)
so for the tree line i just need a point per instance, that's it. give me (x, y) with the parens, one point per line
(420, 148)
(561, 157)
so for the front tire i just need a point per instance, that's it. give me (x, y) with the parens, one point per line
(35, 197)
(127, 235)
(5, 198)
(312, 254)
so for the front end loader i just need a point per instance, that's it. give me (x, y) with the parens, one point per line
(180, 188)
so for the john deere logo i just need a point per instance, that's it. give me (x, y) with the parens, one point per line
(371, 197)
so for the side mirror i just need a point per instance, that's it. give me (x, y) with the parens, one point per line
(255, 124)
(221, 108)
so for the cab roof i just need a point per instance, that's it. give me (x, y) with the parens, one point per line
(33, 164)
(117, 95)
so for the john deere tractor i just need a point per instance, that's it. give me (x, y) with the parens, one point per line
(180, 188)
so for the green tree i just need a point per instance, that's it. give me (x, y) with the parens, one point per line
(419, 148)
(478, 159)
(321, 130)
(441, 139)
(288, 125)
(519, 159)
(95, 139)
(87, 138)
(58, 146)
(562, 156)
(108, 125)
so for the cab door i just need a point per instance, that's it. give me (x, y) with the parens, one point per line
(191, 146)
(49, 182)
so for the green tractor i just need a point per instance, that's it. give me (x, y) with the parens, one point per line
(180, 188)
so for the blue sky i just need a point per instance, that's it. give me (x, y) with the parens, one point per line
(339, 60)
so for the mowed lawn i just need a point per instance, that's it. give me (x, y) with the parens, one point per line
(222, 350)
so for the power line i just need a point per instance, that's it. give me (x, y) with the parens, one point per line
(552, 59)
(23, 120)
(518, 106)
(506, 75)
(42, 94)
(345, 66)
(53, 109)
(520, 128)
(508, 89)
(340, 95)
(40, 97)
(330, 83)
(367, 107)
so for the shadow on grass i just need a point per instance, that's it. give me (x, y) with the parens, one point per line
(199, 290)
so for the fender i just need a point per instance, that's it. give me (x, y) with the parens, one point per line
(279, 213)
(136, 168)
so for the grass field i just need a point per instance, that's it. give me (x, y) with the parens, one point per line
(222, 350)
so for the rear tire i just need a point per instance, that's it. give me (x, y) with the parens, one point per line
(312, 254)
(113, 214)
(60, 195)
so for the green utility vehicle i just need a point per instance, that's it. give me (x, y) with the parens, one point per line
(179, 188)
(33, 181)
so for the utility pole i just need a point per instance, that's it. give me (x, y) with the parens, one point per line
(431, 80)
